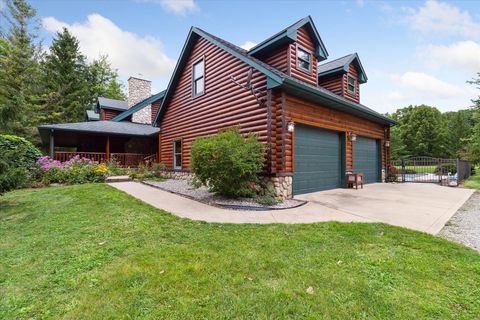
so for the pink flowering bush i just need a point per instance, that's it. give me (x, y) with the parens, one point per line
(74, 171)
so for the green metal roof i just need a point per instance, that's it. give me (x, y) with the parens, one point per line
(142, 104)
(289, 35)
(275, 79)
(341, 65)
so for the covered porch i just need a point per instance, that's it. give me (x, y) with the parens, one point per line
(129, 144)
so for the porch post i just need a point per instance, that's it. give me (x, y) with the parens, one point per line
(107, 149)
(158, 152)
(52, 145)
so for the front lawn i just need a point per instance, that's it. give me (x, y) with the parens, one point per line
(474, 181)
(93, 252)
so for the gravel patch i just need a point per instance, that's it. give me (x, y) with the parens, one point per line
(184, 188)
(464, 226)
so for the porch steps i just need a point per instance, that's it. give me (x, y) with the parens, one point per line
(118, 179)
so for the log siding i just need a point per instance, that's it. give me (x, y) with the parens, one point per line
(305, 42)
(298, 110)
(106, 114)
(224, 104)
(352, 72)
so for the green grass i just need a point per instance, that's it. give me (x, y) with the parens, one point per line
(419, 169)
(474, 181)
(92, 252)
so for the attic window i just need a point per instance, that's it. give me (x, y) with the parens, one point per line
(352, 85)
(198, 78)
(304, 60)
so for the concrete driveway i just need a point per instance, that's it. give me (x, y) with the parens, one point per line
(422, 207)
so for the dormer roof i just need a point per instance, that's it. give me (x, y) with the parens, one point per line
(341, 65)
(289, 35)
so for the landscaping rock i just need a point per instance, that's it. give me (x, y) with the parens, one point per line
(202, 194)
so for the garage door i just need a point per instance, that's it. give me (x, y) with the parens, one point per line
(366, 158)
(318, 159)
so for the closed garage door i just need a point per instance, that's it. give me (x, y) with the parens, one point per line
(318, 159)
(366, 158)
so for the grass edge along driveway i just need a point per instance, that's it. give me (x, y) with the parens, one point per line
(93, 252)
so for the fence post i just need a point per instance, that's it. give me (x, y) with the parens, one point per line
(440, 171)
(403, 170)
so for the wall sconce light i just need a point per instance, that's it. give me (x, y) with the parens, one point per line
(352, 136)
(387, 143)
(291, 127)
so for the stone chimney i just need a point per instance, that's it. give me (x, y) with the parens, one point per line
(139, 90)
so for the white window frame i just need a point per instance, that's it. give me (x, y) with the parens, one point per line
(299, 66)
(195, 79)
(354, 91)
(176, 152)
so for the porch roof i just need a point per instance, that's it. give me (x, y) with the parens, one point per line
(99, 128)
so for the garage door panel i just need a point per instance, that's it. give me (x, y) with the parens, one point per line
(318, 164)
(366, 158)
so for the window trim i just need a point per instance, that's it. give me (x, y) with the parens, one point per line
(309, 70)
(195, 95)
(175, 153)
(354, 85)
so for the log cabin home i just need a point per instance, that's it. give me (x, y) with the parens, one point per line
(304, 108)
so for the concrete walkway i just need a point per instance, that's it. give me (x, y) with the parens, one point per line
(423, 207)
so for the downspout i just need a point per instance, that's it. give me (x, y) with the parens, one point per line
(385, 150)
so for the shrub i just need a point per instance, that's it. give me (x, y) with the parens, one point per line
(446, 168)
(227, 163)
(11, 177)
(115, 169)
(23, 154)
(74, 171)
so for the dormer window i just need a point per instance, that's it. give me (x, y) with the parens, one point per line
(304, 59)
(198, 78)
(352, 85)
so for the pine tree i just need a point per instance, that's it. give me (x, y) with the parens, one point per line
(18, 66)
(65, 75)
(103, 80)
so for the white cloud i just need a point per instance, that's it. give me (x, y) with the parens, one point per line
(180, 7)
(463, 54)
(127, 51)
(360, 3)
(426, 86)
(248, 45)
(441, 17)
(387, 92)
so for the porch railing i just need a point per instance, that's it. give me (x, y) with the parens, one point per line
(94, 156)
(128, 159)
(123, 159)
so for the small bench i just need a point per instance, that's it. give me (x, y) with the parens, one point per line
(354, 179)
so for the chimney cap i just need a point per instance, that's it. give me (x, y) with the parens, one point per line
(137, 78)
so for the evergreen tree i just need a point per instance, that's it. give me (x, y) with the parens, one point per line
(459, 127)
(103, 80)
(472, 150)
(65, 75)
(18, 66)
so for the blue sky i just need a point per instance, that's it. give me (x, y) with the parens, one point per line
(413, 52)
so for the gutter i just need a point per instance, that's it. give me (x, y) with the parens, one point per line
(289, 83)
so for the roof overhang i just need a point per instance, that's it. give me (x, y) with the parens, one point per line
(95, 128)
(333, 101)
(289, 35)
(139, 106)
(362, 75)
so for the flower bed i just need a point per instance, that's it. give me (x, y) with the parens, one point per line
(74, 171)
